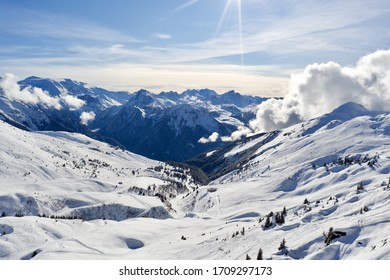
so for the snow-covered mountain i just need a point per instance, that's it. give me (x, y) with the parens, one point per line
(39, 104)
(172, 123)
(96, 99)
(322, 186)
(160, 128)
(47, 104)
(169, 120)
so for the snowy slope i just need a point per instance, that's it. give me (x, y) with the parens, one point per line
(341, 167)
(330, 172)
(59, 176)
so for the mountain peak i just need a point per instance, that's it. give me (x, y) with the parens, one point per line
(350, 108)
(33, 78)
(343, 113)
(143, 93)
(203, 93)
(142, 98)
(231, 93)
(173, 95)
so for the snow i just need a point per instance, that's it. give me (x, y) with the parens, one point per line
(342, 170)
(69, 175)
(142, 111)
(243, 147)
(187, 115)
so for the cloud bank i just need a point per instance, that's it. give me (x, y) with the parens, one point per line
(87, 117)
(35, 95)
(321, 88)
(29, 95)
(238, 134)
(211, 139)
(73, 102)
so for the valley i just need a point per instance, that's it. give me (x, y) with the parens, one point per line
(322, 186)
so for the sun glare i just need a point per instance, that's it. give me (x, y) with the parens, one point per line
(230, 5)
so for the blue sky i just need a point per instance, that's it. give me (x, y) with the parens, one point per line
(248, 45)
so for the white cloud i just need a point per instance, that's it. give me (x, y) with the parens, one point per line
(162, 36)
(29, 95)
(336, 27)
(87, 117)
(35, 95)
(320, 88)
(332, 26)
(238, 134)
(211, 139)
(73, 102)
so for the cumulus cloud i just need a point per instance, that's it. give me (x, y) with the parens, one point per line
(73, 102)
(87, 117)
(238, 134)
(29, 95)
(320, 88)
(211, 139)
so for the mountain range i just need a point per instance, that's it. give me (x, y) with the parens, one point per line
(164, 126)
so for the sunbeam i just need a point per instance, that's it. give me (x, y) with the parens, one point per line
(233, 4)
(223, 16)
(239, 10)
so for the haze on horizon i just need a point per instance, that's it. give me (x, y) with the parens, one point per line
(251, 46)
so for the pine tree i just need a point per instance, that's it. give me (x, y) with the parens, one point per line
(306, 201)
(282, 245)
(279, 218)
(284, 212)
(260, 254)
(268, 222)
(243, 231)
(247, 257)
